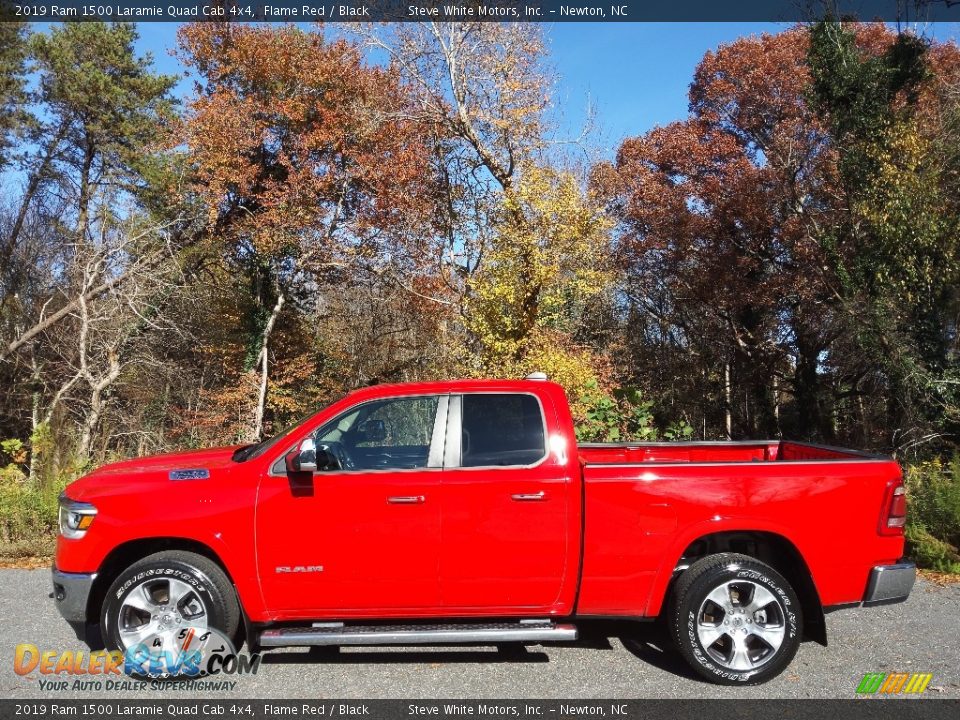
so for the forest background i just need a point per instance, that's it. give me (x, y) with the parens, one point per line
(324, 210)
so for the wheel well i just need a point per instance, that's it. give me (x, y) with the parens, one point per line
(123, 556)
(777, 552)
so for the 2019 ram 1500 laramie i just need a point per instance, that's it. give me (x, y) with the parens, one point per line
(465, 512)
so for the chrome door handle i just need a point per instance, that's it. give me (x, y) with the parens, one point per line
(406, 499)
(529, 497)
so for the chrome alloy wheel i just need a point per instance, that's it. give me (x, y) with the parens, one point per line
(158, 609)
(741, 625)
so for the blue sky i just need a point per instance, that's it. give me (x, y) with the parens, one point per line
(635, 75)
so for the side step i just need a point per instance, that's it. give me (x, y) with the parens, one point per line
(435, 634)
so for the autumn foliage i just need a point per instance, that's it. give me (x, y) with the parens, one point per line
(322, 210)
(744, 233)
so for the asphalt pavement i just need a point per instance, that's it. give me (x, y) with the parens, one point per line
(611, 661)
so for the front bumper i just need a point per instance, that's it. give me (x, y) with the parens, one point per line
(71, 591)
(890, 583)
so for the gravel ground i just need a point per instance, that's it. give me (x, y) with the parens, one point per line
(921, 635)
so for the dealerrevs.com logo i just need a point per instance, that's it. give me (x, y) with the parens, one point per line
(194, 653)
(894, 683)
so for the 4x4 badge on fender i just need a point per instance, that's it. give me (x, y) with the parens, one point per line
(189, 474)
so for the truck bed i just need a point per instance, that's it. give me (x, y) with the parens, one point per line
(749, 451)
(645, 503)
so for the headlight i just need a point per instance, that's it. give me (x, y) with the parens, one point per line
(75, 517)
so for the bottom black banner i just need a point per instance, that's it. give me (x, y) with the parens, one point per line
(863, 709)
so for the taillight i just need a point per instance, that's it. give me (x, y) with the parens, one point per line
(895, 516)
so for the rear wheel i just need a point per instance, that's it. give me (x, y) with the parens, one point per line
(735, 619)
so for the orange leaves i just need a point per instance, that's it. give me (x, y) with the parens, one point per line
(752, 83)
(294, 139)
(713, 209)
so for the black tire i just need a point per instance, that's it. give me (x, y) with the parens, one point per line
(733, 659)
(210, 583)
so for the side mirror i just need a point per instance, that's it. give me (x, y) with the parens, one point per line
(374, 431)
(303, 458)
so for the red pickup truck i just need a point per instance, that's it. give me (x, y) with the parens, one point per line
(465, 512)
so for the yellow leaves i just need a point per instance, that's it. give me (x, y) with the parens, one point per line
(903, 205)
(15, 450)
(577, 369)
(544, 260)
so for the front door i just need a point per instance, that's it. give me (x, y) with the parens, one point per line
(506, 508)
(363, 537)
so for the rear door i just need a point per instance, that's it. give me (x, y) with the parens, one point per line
(506, 507)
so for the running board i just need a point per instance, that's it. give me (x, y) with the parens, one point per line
(434, 634)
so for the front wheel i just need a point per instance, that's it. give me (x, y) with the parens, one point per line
(171, 603)
(735, 620)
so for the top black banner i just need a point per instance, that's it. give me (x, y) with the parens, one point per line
(903, 11)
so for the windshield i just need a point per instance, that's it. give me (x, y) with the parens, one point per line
(247, 452)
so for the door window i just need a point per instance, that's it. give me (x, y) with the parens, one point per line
(501, 430)
(390, 434)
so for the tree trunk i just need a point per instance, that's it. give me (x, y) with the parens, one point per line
(776, 401)
(263, 360)
(97, 384)
(727, 400)
(83, 201)
(89, 425)
(34, 183)
(34, 417)
(815, 423)
(97, 404)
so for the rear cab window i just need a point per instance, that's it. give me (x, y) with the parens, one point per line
(501, 430)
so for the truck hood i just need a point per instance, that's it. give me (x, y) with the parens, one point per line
(169, 467)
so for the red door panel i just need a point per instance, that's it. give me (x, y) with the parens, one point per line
(505, 530)
(498, 552)
(377, 557)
